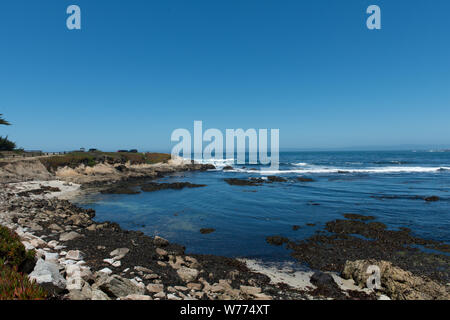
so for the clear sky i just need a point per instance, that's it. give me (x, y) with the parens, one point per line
(139, 69)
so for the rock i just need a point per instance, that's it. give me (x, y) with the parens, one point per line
(395, 282)
(226, 168)
(160, 242)
(136, 297)
(47, 275)
(155, 288)
(160, 295)
(119, 253)
(106, 271)
(153, 186)
(276, 179)
(38, 243)
(55, 227)
(75, 255)
(171, 296)
(161, 252)
(244, 182)
(53, 244)
(194, 286)
(69, 236)
(115, 286)
(355, 216)
(116, 264)
(181, 288)
(303, 179)
(51, 257)
(143, 269)
(207, 230)
(277, 240)
(250, 290)
(162, 264)
(322, 279)
(110, 261)
(432, 199)
(187, 274)
(99, 295)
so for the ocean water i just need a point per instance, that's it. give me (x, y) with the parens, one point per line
(243, 216)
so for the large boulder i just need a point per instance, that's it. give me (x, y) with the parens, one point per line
(396, 282)
(46, 273)
(187, 274)
(116, 287)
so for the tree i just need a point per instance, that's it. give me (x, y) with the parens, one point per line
(3, 121)
(5, 144)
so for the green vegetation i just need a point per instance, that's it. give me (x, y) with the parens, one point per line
(14, 260)
(5, 144)
(74, 159)
(12, 251)
(3, 121)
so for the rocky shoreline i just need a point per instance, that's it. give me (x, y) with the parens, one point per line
(80, 259)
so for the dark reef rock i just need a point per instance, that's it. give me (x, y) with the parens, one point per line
(355, 216)
(303, 179)
(226, 168)
(120, 190)
(154, 186)
(432, 199)
(41, 190)
(207, 230)
(276, 179)
(295, 227)
(350, 240)
(277, 240)
(244, 182)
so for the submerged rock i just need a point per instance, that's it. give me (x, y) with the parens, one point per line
(277, 240)
(154, 186)
(355, 216)
(244, 182)
(207, 230)
(120, 190)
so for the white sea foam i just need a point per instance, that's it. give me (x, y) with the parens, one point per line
(319, 170)
(218, 163)
(300, 164)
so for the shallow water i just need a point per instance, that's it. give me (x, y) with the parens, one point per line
(345, 182)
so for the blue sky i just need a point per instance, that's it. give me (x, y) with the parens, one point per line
(140, 69)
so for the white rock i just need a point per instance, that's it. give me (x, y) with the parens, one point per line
(106, 271)
(75, 255)
(119, 253)
(47, 274)
(116, 264)
(49, 256)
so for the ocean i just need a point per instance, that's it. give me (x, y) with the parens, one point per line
(389, 185)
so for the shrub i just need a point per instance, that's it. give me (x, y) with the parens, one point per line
(6, 145)
(16, 286)
(14, 260)
(157, 157)
(75, 159)
(13, 253)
